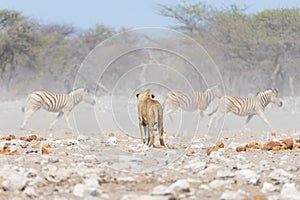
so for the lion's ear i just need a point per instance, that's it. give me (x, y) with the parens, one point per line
(137, 95)
(153, 96)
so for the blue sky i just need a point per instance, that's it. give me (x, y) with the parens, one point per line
(85, 14)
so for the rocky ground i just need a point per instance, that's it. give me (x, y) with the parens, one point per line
(119, 167)
(110, 163)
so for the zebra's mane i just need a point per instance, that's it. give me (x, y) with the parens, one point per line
(216, 86)
(274, 90)
(77, 90)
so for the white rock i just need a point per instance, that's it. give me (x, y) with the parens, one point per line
(292, 168)
(245, 166)
(289, 191)
(14, 182)
(181, 185)
(195, 165)
(204, 187)
(273, 197)
(53, 159)
(143, 197)
(264, 163)
(13, 148)
(233, 195)
(31, 173)
(77, 155)
(112, 141)
(79, 190)
(126, 179)
(217, 156)
(92, 182)
(269, 187)
(248, 176)
(30, 192)
(159, 190)
(211, 169)
(224, 174)
(281, 175)
(220, 183)
(83, 138)
(90, 158)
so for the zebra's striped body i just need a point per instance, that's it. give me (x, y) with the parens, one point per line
(61, 103)
(192, 101)
(248, 106)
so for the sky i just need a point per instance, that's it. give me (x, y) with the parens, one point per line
(85, 14)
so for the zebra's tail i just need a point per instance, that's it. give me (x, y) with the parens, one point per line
(23, 107)
(215, 110)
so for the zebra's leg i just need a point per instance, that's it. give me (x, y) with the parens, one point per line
(199, 112)
(214, 120)
(263, 117)
(169, 112)
(247, 121)
(28, 114)
(55, 120)
(66, 114)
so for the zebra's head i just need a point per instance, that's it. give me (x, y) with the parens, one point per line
(273, 96)
(84, 94)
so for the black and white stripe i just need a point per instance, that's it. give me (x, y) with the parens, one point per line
(61, 103)
(192, 101)
(248, 106)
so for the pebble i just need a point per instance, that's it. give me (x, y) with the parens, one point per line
(53, 159)
(220, 183)
(82, 138)
(233, 195)
(14, 182)
(195, 165)
(269, 187)
(112, 141)
(159, 190)
(292, 168)
(281, 175)
(79, 190)
(289, 191)
(225, 174)
(30, 192)
(89, 158)
(179, 186)
(144, 197)
(247, 176)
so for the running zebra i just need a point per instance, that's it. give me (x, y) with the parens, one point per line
(192, 101)
(61, 103)
(248, 106)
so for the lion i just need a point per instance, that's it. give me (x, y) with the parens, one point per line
(150, 113)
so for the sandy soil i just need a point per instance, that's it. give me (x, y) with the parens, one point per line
(103, 158)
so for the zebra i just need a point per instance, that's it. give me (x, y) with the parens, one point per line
(192, 101)
(246, 106)
(61, 103)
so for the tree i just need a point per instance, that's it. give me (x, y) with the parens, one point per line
(247, 45)
(16, 40)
